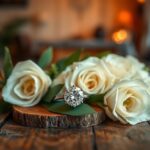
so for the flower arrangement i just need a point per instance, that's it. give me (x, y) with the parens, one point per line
(119, 85)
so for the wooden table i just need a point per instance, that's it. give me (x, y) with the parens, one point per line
(109, 135)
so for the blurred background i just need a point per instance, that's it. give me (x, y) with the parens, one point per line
(27, 27)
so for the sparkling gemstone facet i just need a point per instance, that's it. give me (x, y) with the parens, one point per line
(74, 96)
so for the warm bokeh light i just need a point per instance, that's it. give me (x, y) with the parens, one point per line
(120, 36)
(125, 17)
(141, 1)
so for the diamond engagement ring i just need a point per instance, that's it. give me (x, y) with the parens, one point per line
(74, 96)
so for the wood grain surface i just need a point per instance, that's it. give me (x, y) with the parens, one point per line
(114, 136)
(108, 135)
(3, 118)
(39, 116)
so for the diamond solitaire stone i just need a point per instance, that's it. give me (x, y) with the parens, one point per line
(74, 96)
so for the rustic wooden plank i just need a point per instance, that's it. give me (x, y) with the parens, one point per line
(39, 116)
(13, 136)
(113, 135)
(109, 135)
(3, 118)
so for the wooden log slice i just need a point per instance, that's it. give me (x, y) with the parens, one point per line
(40, 117)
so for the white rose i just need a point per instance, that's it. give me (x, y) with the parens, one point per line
(90, 75)
(135, 62)
(139, 67)
(125, 67)
(128, 102)
(26, 85)
(141, 73)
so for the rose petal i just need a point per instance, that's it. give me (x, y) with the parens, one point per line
(136, 92)
(11, 91)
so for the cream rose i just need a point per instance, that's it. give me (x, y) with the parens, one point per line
(125, 67)
(135, 62)
(128, 101)
(26, 85)
(139, 67)
(90, 75)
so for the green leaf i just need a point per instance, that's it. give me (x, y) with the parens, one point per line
(93, 99)
(62, 108)
(63, 63)
(52, 92)
(8, 66)
(53, 72)
(146, 68)
(4, 107)
(100, 55)
(100, 104)
(46, 58)
(103, 54)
